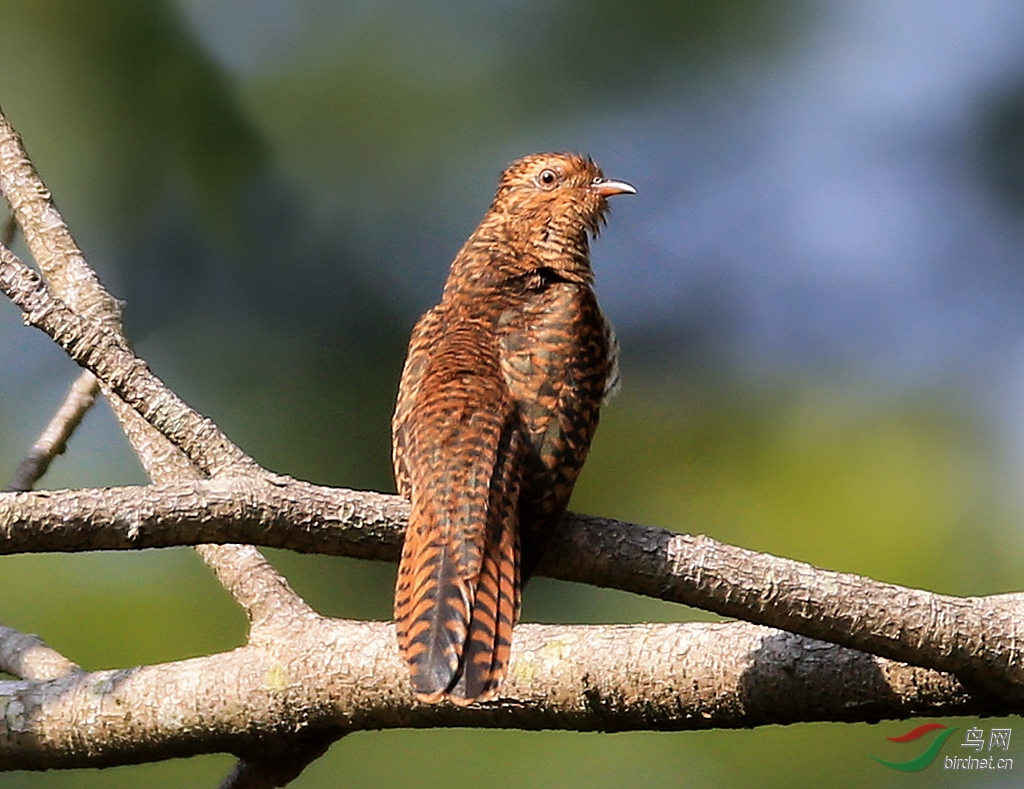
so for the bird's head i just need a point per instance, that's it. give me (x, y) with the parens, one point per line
(546, 208)
(561, 194)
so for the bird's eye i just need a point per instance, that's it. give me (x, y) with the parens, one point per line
(547, 178)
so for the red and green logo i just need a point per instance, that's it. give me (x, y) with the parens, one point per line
(926, 758)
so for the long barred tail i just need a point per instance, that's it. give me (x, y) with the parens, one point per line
(497, 601)
(457, 596)
(432, 606)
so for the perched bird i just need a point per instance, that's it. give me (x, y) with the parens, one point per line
(496, 410)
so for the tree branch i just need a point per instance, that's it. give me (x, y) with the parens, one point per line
(54, 438)
(262, 591)
(280, 512)
(48, 237)
(328, 677)
(978, 638)
(25, 655)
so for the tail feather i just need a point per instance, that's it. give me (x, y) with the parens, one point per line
(432, 606)
(497, 601)
(457, 595)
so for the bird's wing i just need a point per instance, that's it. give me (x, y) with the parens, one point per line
(416, 362)
(557, 361)
(457, 442)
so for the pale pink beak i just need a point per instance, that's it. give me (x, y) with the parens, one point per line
(607, 187)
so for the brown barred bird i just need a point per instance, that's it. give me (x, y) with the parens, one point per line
(496, 410)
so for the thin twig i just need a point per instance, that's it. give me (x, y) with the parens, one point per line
(54, 438)
(104, 352)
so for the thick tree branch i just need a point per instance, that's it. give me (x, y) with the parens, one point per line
(329, 677)
(279, 512)
(980, 639)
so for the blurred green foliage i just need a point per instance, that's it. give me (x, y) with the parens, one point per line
(120, 96)
(416, 87)
(241, 215)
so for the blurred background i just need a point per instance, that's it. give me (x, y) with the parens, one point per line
(819, 291)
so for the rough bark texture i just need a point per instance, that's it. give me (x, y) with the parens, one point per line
(323, 677)
(979, 639)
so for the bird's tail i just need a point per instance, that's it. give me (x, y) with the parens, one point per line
(457, 596)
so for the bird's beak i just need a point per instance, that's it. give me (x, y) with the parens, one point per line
(607, 187)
